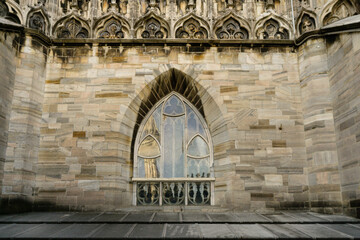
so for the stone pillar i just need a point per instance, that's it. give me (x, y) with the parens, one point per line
(344, 72)
(320, 138)
(24, 128)
(8, 51)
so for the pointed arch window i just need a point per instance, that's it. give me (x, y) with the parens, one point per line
(173, 156)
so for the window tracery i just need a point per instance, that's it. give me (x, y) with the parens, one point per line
(272, 30)
(173, 143)
(153, 29)
(231, 29)
(307, 24)
(37, 21)
(112, 30)
(191, 29)
(72, 28)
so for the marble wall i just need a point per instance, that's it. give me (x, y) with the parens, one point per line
(252, 104)
(24, 124)
(344, 82)
(8, 52)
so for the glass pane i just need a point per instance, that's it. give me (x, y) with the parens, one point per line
(149, 148)
(148, 167)
(174, 106)
(152, 126)
(198, 147)
(198, 168)
(194, 125)
(173, 147)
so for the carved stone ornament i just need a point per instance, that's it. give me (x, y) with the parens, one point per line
(191, 29)
(231, 29)
(152, 29)
(5, 13)
(37, 22)
(112, 30)
(307, 24)
(272, 30)
(341, 10)
(72, 29)
(3, 9)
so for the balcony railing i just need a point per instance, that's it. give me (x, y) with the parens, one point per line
(172, 192)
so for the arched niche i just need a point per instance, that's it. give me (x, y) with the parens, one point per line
(232, 27)
(72, 26)
(192, 26)
(152, 26)
(336, 10)
(38, 19)
(273, 27)
(112, 26)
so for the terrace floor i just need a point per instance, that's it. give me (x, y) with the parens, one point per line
(151, 224)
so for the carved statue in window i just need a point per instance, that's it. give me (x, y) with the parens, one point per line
(114, 6)
(153, 29)
(37, 21)
(307, 24)
(272, 30)
(72, 29)
(231, 29)
(223, 5)
(173, 143)
(112, 30)
(191, 29)
(5, 13)
(342, 9)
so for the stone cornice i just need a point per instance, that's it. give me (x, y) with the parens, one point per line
(47, 41)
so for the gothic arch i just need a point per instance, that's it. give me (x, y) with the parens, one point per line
(336, 10)
(71, 26)
(306, 22)
(191, 26)
(11, 11)
(111, 26)
(152, 26)
(174, 80)
(239, 24)
(273, 27)
(38, 19)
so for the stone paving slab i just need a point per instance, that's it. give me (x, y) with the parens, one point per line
(223, 217)
(77, 231)
(114, 231)
(109, 217)
(148, 231)
(305, 217)
(345, 228)
(167, 217)
(182, 231)
(285, 231)
(251, 218)
(81, 217)
(216, 231)
(13, 230)
(43, 230)
(281, 218)
(319, 231)
(195, 217)
(112, 225)
(251, 231)
(138, 217)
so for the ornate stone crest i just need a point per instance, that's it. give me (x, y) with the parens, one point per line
(72, 29)
(231, 29)
(112, 29)
(37, 22)
(191, 29)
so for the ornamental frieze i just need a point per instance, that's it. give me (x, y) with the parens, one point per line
(186, 19)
